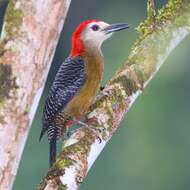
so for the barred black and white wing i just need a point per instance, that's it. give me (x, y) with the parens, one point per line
(68, 81)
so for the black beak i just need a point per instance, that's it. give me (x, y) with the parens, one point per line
(115, 27)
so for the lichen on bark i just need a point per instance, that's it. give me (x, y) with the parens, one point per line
(12, 21)
(7, 81)
(168, 12)
(13, 18)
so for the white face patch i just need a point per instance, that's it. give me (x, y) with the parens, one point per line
(95, 38)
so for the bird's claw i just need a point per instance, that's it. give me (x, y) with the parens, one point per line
(69, 133)
(98, 132)
(102, 88)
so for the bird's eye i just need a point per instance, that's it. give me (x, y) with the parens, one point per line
(95, 27)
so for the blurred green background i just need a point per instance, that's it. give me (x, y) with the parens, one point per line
(151, 149)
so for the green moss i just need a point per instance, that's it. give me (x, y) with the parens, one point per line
(2, 45)
(27, 109)
(171, 11)
(63, 162)
(2, 121)
(151, 12)
(13, 19)
(139, 73)
(127, 83)
(58, 169)
(62, 187)
(98, 103)
(7, 81)
(174, 14)
(136, 62)
(83, 146)
(128, 86)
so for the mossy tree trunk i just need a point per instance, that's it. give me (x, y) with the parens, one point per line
(28, 40)
(159, 34)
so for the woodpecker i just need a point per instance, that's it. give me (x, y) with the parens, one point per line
(77, 80)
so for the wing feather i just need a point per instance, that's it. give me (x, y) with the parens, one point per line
(68, 81)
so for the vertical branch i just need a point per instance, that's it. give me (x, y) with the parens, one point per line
(29, 37)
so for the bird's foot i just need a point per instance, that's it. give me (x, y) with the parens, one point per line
(102, 88)
(97, 131)
(70, 133)
(93, 121)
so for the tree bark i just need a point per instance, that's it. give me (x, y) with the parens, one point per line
(159, 35)
(29, 37)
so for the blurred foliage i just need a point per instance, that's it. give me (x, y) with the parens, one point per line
(150, 151)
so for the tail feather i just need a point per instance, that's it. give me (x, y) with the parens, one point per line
(53, 150)
(53, 136)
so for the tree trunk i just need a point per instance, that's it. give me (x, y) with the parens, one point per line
(30, 34)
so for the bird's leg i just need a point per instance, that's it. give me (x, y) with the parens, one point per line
(69, 133)
(93, 129)
(93, 121)
(66, 134)
(96, 130)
